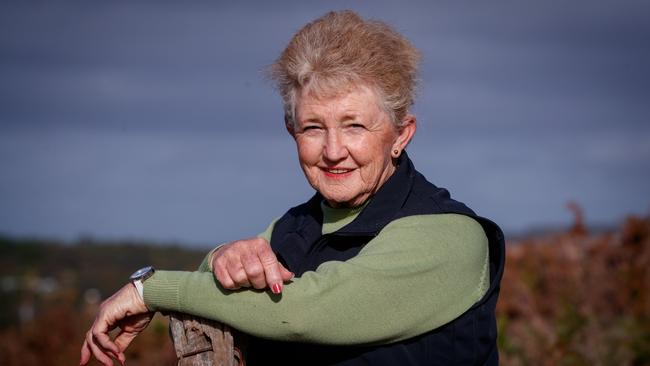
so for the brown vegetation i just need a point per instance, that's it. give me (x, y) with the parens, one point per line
(567, 298)
(50, 293)
(573, 298)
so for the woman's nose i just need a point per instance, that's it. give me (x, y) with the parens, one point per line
(335, 149)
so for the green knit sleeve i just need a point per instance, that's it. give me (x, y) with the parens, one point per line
(419, 273)
(206, 264)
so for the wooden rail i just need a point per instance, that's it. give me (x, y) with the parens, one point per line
(203, 342)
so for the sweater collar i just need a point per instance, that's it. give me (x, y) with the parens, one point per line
(337, 218)
(383, 205)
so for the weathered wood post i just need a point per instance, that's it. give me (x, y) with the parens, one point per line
(203, 342)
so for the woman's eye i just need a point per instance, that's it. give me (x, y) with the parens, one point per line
(311, 128)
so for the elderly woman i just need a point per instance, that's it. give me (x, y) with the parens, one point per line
(379, 267)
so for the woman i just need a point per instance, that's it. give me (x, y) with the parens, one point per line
(379, 267)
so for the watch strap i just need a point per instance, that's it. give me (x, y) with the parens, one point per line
(140, 288)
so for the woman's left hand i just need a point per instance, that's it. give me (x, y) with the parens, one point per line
(126, 310)
(249, 262)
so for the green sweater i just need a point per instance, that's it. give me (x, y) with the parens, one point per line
(419, 273)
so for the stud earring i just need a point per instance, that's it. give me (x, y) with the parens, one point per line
(396, 152)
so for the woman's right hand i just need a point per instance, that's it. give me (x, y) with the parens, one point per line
(249, 262)
(126, 310)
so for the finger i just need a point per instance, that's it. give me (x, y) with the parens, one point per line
(272, 269)
(121, 358)
(240, 279)
(101, 337)
(217, 256)
(123, 340)
(99, 354)
(285, 273)
(224, 279)
(237, 273)
(219, 269)
(85, 354)
(255, 272)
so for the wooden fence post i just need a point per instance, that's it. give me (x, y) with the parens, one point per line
(203, 342)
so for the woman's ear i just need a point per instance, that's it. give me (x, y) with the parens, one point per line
(405, 132)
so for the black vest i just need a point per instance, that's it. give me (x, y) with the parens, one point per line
(469, 339)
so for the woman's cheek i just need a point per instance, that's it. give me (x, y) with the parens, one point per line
(362, 151)
(305, 149)
(308, 155)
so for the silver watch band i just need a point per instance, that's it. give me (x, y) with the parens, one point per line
(140, 276)
(140, 287)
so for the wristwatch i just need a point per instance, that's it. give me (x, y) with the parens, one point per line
(140, 276)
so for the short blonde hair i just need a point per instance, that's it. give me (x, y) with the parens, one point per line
(339, 51)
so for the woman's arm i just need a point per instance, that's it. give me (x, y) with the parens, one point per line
(419, 273)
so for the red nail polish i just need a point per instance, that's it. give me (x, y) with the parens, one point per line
(276, 288)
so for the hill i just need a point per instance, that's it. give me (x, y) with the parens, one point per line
(571, 297)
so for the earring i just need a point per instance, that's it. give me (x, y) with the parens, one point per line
(396, 152)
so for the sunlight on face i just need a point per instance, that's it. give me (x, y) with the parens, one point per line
(344, 145)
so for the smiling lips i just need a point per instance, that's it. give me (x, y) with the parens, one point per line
(336, 173)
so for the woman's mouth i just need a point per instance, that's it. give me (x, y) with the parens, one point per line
(336, 173)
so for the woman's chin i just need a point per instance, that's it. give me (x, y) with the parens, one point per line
(342, 201)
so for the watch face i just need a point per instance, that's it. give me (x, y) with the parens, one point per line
(142, 272)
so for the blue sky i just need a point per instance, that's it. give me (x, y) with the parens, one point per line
(153, 120)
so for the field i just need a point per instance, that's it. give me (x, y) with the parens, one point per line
(569, 297)
(572, 298)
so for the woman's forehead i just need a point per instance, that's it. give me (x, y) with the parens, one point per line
(340, 109)
(358, 99)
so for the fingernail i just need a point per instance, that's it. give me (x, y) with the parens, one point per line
(276, 288)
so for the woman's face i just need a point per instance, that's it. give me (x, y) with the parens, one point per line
(345, 144)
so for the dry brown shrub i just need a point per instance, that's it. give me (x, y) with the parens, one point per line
(55, 337)
(576, 298)
(569, 298)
